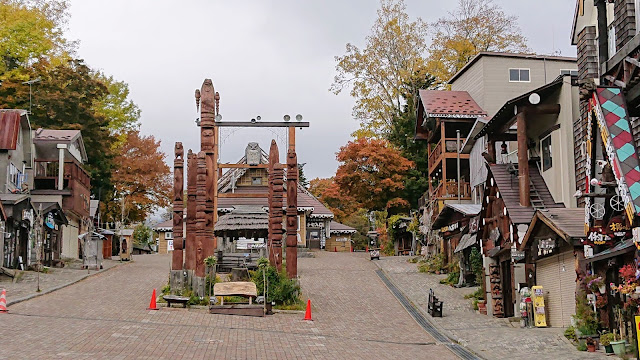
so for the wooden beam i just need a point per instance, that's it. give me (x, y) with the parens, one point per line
(292, 139)
(262, 124)
(243, 195)
(615, 81)
(632, 61)
(523, 160)
(243, 166)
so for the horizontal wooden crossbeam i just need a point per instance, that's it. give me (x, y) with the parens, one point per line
(262, 124)
(243, 195)
(243, 166)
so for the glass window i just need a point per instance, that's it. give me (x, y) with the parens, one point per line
(612, 41)
(569, 72)
(256, 181)
(168, 235)
(519, 75)
(546, 153)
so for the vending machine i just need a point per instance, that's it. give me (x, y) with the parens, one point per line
(539, 313)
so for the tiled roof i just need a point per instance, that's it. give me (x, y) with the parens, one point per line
(451, 103)
(9, 129)
(164, 226)
(305, 200)
(569, 221)
(55, 135)
(509, 188)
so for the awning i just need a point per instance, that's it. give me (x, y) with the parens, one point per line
(622, 247)
(466, 241)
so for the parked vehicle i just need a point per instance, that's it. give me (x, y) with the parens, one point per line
(374, 254)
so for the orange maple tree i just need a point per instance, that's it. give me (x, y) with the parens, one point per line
(332, 196)
(371, 171)
(141, 176)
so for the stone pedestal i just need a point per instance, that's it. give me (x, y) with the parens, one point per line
(176, 280)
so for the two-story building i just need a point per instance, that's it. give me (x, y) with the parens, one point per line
(60, 178)
(15, 183)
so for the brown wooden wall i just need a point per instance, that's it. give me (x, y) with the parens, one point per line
(624, 22)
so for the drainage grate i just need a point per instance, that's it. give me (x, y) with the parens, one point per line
(422, 321)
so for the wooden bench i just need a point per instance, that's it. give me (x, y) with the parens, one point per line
(170, 299)
(434, 308)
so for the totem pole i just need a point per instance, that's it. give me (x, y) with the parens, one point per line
(178, 208)
(292, 214)
(190, 248)
(203, 235)
(276, 182)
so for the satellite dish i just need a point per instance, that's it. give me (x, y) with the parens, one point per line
(534, 99)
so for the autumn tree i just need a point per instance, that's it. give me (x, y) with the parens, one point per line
(31, 31)
(142, 235)
(384, 70)
(474, 26)
(141, 178)
(117, 106)
(332, 196)
(372, 171)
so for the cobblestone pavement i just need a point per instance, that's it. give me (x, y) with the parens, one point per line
(104, 317)
(26, 283)
(488, 337)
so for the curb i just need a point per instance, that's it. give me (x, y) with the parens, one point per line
(29, 297)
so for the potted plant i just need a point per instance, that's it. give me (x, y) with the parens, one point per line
(605, 340)
(596, 284)
(591, 344)
(619, 347)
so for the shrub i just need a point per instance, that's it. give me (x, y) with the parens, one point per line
(280, 289)
(605, 339)
(478, 294)
(570, 333)
(451, 279)
(475, 304)
(585, 317)
(475, 259)
(433, 264)
(582, 346)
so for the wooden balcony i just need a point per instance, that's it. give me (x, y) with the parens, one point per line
(449, 190)
(446, 147)
(76, 184)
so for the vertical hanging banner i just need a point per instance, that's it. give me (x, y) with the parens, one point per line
(613, 121)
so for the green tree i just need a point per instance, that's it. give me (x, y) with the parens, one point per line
(142, 234)
(302, 179)
(65, 98)
(31, 31)
(116, 106)
(380, 74)
(475, 26)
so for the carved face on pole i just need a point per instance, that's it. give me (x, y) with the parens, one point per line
(207, 139)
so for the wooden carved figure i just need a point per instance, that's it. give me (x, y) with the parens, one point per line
(178, 206)
(292, 214)
(190, 247)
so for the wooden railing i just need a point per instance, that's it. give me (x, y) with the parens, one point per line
(450, 190)
(450, 146)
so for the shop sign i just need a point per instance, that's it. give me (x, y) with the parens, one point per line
(516, 255)
(28, 215)
(598, 238)
(49, 221)
(451, 227)
(169, 245)
(546, 246)
(588, 251)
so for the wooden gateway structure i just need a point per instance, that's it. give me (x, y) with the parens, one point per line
(203, 172)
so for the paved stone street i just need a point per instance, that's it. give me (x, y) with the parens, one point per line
(26, 284)
(489, 337)
(104, 317)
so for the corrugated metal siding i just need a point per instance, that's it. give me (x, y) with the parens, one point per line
(9, 129)
(559, 288)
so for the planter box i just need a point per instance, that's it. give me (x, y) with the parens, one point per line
(619, 347)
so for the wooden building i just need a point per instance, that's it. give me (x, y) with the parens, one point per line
(165, 236)
(340, 237)
(457, 223)
(551, 245)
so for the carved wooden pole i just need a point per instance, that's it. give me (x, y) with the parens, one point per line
(190, 247)
(292, 213)
(178, 206)
(209, 146)
(276, 190)
(201, 220)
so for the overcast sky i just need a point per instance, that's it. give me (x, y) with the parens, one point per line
(266, 58)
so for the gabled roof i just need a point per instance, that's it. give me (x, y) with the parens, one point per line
(441, 103)
(10, 128)
(567, 223)
(243, 218)
(449, 209)
(580, 21)
(509, 188)
(42, 136)
(505, 116)
(164, 226)
(337, 228)
(509, 55)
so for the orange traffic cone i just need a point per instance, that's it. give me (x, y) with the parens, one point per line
(3, 301)
(152, 304)
(307, 315)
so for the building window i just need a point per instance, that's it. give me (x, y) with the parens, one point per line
(569, 72)
(611, 36)
(547, 161)
(168, 235)
(15, 175)
(519, 75)
(256, 181)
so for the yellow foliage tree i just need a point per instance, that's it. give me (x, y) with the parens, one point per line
(475, 26)
(385, 70)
